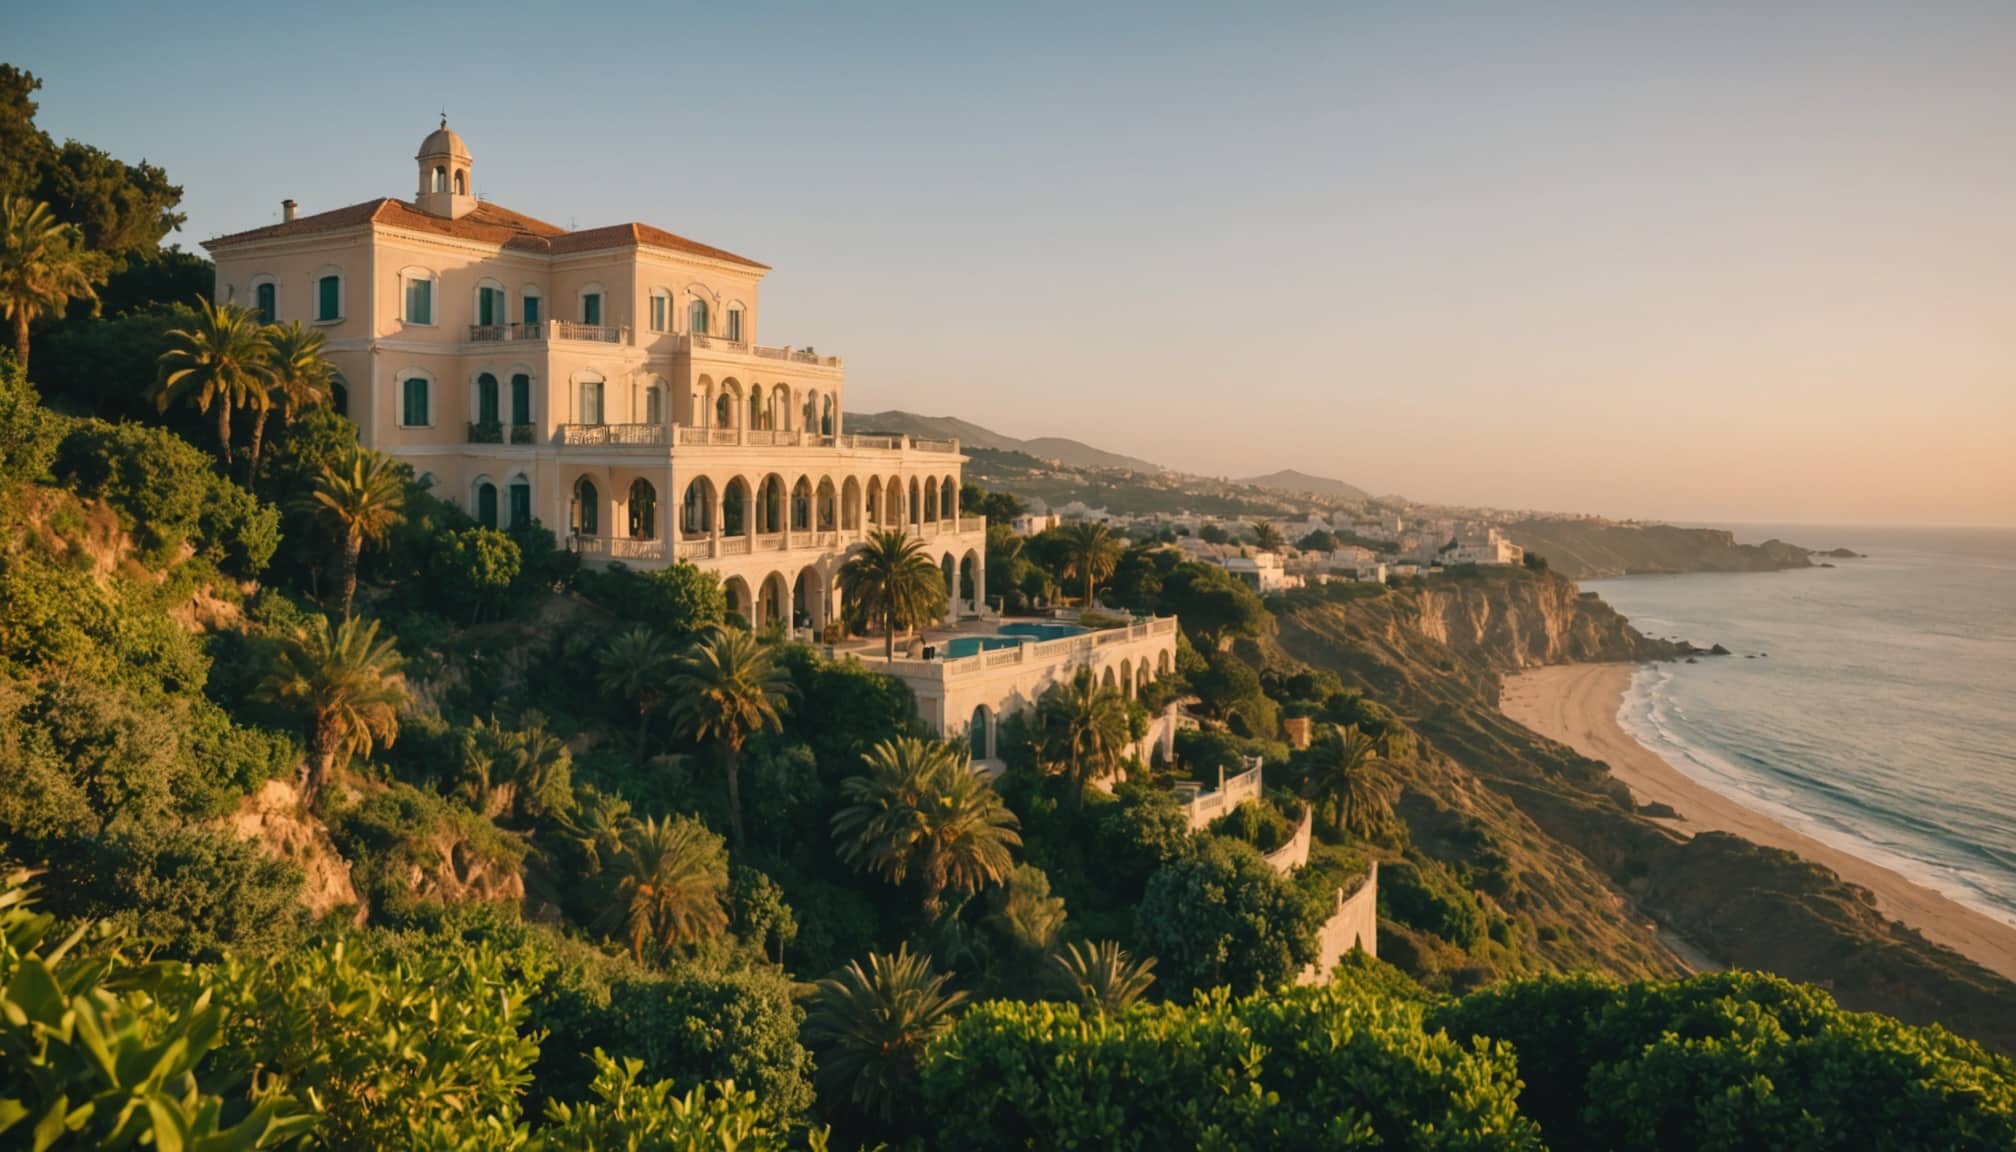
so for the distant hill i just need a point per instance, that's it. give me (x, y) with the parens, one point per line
(1301, 483)
(1074, 453)
(1590, 549)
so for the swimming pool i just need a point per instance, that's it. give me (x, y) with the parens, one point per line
(1039, 631)
(1008, 636)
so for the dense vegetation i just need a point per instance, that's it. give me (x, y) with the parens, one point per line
(335, 819)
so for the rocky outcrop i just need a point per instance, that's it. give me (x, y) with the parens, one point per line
(273, 817)
(1513, 618)
(1587, 549)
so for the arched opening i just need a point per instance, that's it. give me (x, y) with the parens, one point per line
(969, 578)
(486, 503)
(339, 396)
(892, 503)
(736, 591)
(770, 505)
(950, 568)
(486, 400)
(801, 505)
(930, 503)
(775, 596)
(584, 514)
(461, 182)
(735, 508)
(979, 733)
(643, 510)
(915, 505)
(654, 404)
(826, 416)
(808, 599)
(850, 504)
(826, 507)
(519, 503)
(757, 417)
(780, 407)
(811, 412)
(521, 400)
(438, 181)
(1106, 680)
(696, 317)
(724, 411)
(1127, 679)
(1162, 666)
(696, 510)
(948, 501)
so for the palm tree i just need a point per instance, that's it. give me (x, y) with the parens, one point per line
(1102, 977)
(726, 688)
(299, 376)
(1266, 536)
(346, 683)
(1343, 769)
(360, 495)
(922, 810)
(1091, 552)
(43, 266)
(220, 363)
(1082, 731)
(633, 667)
(510, 772)
(894, 582)
(673, 886)
(868, 1028)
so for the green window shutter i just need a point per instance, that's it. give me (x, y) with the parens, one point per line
(531, 309)
(486, 505)
(521, 505)
(486, 306)
(486, 399)
(268, 302)
(521, 399)
(591, 308)
(419, 302)
(327, 297)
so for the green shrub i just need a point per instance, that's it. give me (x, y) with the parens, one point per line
(1221, 915)
(1330, 1067)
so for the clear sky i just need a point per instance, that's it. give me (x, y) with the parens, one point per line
(1694, 261)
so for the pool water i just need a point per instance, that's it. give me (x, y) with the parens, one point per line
(1009, 636)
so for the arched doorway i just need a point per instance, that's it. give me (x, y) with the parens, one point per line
(950, 569)
(643, 510)
(735, 508)
(948, 501)
(486, 503)
(584, 514)
(696, 509)
(850, 504)
(825, 507)
(775, 596)
(736, 591)
(808, 599)
(486, 401)
(980, 734)
(770, 505)
(801, 505)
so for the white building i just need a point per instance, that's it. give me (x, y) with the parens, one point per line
(1261, 571)
(1490, 548)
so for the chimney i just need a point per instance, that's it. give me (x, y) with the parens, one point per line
(287, 211)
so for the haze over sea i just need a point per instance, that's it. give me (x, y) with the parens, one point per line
(1880, 714)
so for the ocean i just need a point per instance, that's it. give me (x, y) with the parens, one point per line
(1871, 705)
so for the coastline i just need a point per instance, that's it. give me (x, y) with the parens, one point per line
(1578, 704)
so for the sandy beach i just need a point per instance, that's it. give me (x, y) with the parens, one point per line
(1577, 704)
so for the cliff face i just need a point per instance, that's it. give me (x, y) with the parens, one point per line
(1511, 619)
(1586, 549)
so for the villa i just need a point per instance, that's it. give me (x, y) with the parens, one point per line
(607, 382)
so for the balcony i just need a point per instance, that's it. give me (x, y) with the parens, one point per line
(548, 330)
(496, 432)
(704, 342)
(615, 435)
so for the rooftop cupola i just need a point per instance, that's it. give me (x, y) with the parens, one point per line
(445, 186)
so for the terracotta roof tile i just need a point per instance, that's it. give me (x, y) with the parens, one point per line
(488, 223)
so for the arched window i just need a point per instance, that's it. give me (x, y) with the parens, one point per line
(930, 502)
(811, 422)
(486, 503)
(696, 511)
(490, 304)
(696, 317)
(339, 396)
(756, 408)
(801, 505)
(735, 325)
(414, 409)
(643, 510)
(977, 733)
(266, 300)
(948, 501)
(735, 508)
(521, 400)
(770, 506)
(724, 411)
(439, 180)
(486, 401)
(826, 417)
(521, 502)
(585, 516)
(461, 182)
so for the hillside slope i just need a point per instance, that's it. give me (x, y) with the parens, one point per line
(1434, 653)
(1302, 483)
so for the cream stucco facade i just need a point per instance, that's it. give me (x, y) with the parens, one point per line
(607, 382)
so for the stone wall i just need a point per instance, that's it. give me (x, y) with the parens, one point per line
(1355, 924)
